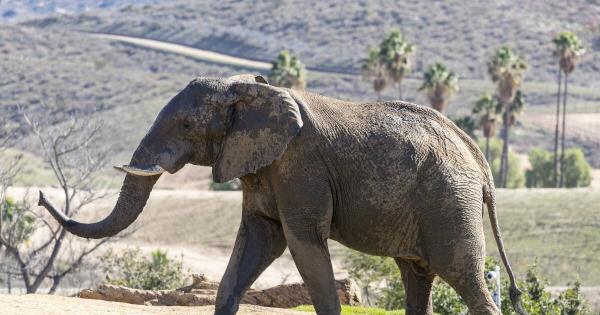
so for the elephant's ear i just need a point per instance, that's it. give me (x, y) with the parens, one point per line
(263, 121)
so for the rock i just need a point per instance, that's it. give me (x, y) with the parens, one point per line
(203, 292)
(108, 292)
(292, 295)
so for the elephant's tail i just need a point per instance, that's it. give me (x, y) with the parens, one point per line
(514, 292)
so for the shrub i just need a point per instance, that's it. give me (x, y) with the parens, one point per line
(571, 302)
(578, 172)
(18, 224)
(379, 279)
(446, 301)
(468, 124)
(516, 176)
(227, 186)
(542, 166)
(381, 276)
(577, 169)
(129, 268)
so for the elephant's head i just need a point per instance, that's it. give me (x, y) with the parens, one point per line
(236, 125)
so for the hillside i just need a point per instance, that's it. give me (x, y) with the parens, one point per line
(334, 35)
(56, 73)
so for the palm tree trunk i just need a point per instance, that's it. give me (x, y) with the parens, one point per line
(399, 91)
(487, 149)
(556, 130)
(564, 131)
(504, 157)
(379, 96)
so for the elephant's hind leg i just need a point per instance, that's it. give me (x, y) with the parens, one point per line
(463, 270)
(417, 285)
(472, 288)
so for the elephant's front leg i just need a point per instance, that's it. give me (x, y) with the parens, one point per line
(259, 241)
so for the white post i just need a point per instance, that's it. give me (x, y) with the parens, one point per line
(498, 293)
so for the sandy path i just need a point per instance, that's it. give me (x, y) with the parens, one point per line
(34, 304)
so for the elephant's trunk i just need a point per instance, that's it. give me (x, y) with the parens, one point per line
(132, 199)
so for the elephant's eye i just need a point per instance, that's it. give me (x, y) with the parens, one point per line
(187, 126)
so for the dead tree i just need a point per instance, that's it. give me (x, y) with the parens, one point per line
(69, 152)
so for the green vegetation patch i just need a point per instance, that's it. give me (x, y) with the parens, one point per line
(354, 310)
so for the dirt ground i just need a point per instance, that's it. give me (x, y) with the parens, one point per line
(34, 304)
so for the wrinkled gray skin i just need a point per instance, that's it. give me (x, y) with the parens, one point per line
(390, 179)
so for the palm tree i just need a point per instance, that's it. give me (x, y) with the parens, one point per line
(439, 85)
(288, 71)
(568, 49)
(397, 53)
(506, 69)
(487, 108)
(467, 124)
(373, 68)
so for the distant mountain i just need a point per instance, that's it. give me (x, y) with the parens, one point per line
(19, 10)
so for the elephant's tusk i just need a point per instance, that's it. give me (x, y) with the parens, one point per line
(149, 171)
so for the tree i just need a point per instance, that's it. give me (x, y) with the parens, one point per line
(440, 85)
(288, 71)
(397, 53)
(374, 68)
(506, 69)
(68, 153)
(487, 108)
(568, 49)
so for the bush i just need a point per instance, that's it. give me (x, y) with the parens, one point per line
(446, 301)
(18, 224)
(577, 169)
(129, 268)
(578, 172)
(468, 124)
(379, 279)
(542, 167)
(227, 186)
(516, 176)
(381, 276)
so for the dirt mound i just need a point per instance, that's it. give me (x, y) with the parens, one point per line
(60, 305)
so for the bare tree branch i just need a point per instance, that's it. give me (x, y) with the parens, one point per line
(68, 151)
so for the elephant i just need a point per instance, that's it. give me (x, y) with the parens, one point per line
(390, 179)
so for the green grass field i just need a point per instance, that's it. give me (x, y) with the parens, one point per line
(558, 229)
